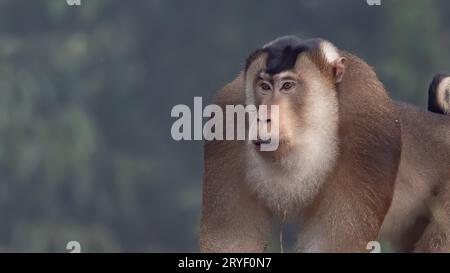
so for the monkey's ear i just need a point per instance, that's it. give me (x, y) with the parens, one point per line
(333, 57)
(338, 68)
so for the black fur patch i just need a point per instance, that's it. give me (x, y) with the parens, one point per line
(433, 105)
(283, 53)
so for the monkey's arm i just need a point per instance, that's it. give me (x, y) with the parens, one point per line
(232, 219)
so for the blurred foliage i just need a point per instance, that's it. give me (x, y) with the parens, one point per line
(86, 94)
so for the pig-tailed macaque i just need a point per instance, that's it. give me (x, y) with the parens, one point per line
(419, 218)
(351, 166)
(333, 173)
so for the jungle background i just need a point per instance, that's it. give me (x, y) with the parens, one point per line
(86, 93)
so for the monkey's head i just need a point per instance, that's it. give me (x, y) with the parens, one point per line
(334, 119)
(439, 94)
(300, 78)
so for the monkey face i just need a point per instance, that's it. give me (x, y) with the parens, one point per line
(307, 109)
(301, 80)
(274, 91)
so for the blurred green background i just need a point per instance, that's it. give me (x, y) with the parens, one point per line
(86, 94)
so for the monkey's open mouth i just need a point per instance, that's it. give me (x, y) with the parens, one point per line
(277, 142)
(259, 142)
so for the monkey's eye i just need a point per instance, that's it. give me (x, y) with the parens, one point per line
(288, 86)
(265, 86)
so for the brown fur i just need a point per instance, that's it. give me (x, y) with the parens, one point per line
(419, 215)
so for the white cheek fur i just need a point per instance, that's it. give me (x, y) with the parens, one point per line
(299, 176)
